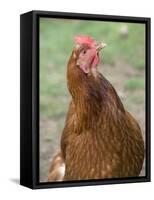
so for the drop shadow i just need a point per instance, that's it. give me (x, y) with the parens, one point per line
(15, 180)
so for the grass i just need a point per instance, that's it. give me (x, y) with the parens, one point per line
(56, 44)
(133, 84)
(140, 64)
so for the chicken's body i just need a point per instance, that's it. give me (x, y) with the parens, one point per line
(100, 138)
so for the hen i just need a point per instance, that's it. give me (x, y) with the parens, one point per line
(100, 138)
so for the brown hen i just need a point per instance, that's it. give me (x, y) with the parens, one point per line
(100, 138)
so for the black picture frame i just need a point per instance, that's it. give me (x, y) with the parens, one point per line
(29, 98)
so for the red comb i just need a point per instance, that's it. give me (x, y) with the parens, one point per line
(82, 39)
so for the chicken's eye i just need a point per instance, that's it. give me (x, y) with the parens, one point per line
(84, 51)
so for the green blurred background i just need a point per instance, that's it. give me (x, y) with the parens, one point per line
(122, 63)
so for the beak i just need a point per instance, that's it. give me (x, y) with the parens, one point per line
(100, 46)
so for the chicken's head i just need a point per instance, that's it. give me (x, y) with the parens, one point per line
(86, 53)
